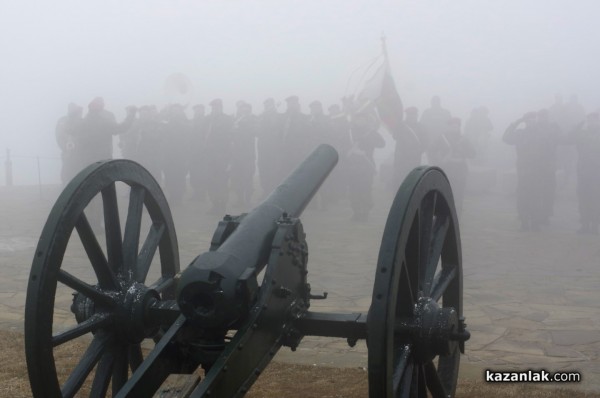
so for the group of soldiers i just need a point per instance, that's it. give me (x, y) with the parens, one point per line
(221, 152)
(544, 141)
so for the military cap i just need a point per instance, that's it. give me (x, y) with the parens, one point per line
(216, 102)
(292, 99)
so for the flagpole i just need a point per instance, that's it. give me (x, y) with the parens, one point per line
(384, 49)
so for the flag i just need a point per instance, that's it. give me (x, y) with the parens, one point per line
(380, 90)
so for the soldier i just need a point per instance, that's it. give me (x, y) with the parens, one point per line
(296, 142)
(269, 146)
(98, 126)
(434, 122)
(67, 129)
(586, 137)
(411, 142)
(526, 138)
(361, 165)
(197, 164)
(176, 139)
(549, 139)
(339, 137)
(244, 153)
(151, 134)
(451, 152)
(219, 127)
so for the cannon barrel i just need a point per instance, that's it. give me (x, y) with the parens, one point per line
(218, 287)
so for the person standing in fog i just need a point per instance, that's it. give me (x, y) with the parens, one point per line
(411, 142)
(175, 144)
(549, 139)
(98, 126)
(296, 141)
(243, 160)
(586, 137)
(151, 132)
(269, 146)
(339, 137)
(361, 165)
(452, 150)
(197, 154)
(524, 135)
(219, 128)
(434, 122)
(67, 129)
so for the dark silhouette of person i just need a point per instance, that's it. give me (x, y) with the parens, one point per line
(527, 139)
(67, 129)
(411, 142)
(198, 167)
(586, 138)
(219, 128)
(176, 140)
(434, 122)
(360, 163)
(269, 146)
(296, 139)
(243, 163)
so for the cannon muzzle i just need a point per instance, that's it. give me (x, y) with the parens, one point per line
(219, 287)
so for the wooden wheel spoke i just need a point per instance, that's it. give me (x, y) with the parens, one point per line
(148, 250)
(401, 359)
(441, 282)
(106, 278)
(421, 385)
(406, 292)
(406, 382)
(135, 356)
(434, 384)
(91, 356)
(103, 375)
(439, 232)
(86, 289)
(112, 226)
(92, 324)
(133, 224)
(426, 221)
(120, 369)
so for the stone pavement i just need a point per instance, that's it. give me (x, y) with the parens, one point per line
(531, 299)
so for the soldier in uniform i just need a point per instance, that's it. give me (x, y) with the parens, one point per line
(339, 137)
(451, 152)
(244, 153)
(549, 140)
(411, 142)
(586, 137)
(67, 129)
(295, 136)
(269, 146)
(219, 128)
(99, 125)
(197, 154)
(361, 166)
(176, 136)
(526, 138)
(151, 133)
(434, 122)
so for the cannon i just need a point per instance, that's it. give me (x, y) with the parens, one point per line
(139, 319)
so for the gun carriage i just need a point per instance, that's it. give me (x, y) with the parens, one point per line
(216, 313)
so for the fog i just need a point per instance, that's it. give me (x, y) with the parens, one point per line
(510, 56)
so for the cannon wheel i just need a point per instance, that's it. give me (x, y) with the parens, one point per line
(415, 321)
(109, 310)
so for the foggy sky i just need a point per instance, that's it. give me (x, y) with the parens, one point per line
(511, 56)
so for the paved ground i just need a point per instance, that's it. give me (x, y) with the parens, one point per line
(531, 299)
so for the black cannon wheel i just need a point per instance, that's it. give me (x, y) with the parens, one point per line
(110, 310)
(415, 320)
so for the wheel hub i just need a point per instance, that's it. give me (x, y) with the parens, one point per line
(435, 331)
